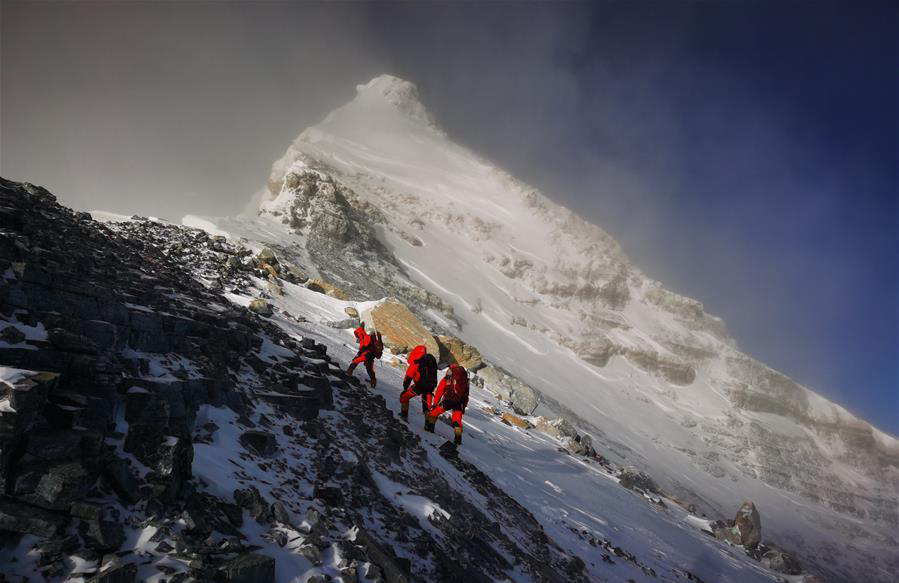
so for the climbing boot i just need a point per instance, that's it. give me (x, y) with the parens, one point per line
(429, 424)
(458, 439)
(404, 410)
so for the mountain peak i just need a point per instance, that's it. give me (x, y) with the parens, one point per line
(402, 95)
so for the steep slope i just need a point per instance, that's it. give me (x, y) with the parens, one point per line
(377, 199)
(152, 429)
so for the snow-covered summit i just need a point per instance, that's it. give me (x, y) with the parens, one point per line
(401, 94)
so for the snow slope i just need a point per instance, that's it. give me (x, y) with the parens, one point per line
(656, 381)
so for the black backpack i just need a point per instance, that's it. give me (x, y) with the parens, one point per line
(377, 345)
(427, 371)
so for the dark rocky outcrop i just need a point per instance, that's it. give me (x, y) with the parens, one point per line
(259, 442)
(745, 529)
(249, 568)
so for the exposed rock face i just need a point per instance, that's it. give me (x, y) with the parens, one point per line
(555, 427)
(249, 568)
(516, 421)
(261, 307)
(745, 529)
(399, 327)
(324, 287)
(780, 560)
(259, 442)
(634, 479)
(523, 398)
(454, 351)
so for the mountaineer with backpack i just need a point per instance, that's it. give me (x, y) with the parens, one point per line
(420, 380)
(370, 347)
(451, 395)
(412, 369)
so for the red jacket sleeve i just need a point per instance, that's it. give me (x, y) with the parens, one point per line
(438, 394)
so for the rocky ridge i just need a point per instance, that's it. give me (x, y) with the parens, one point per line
(118, 391)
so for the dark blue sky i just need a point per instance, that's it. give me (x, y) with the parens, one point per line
(744, 153)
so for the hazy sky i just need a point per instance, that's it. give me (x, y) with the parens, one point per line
(744, 153)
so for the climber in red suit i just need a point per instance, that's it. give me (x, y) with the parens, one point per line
(421, 383)
(412, 369)
(370, 348)
(451, 395)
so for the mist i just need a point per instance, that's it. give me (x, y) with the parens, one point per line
(742, 155)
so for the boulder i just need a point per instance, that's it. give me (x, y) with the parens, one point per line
(119, 476)
(574, 446)
(749, 524)
(634, 479)
(261, 307)
(454, 351)
(346, 323)
(259, 442)
(12, 335)
(382, 556)
(523, 398)
(745, 529)
(556, 427)
(24, 519)
(399, 327)
(267, 256)
(115, 572)
(516, 421)
(102, 535)
(252, 501)
(248, 568)
(61, 484)
(312, 553)
(329, 289)
(280, 513)
(781, 561)
(294, 274)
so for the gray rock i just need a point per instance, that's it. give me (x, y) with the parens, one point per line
(745, 529)
(524, 399)
(119, 476)
(86, 511)
(259, 442)
(344, 324)
(749, 524)
(249, 568)
(102, 535)
(634, 479)
(12, 335)
(383, 557)
(24, 519)
(252, 501)
(62, 484)
(312, 553)
(781, 561)
(117, 573)
(351, 312)
(294, 274)
(261, 307)
(267, 256)
(280, 513)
